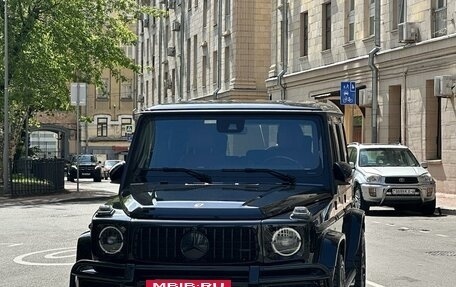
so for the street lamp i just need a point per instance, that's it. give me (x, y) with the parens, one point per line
(5, 110)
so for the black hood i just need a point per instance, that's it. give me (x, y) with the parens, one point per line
(223, 202)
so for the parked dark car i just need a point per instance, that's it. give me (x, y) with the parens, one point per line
(89, 167)
(229, 194)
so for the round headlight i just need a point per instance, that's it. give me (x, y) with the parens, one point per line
(110, 240)
(286, 241)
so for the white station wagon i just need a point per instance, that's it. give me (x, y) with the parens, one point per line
(390, 175)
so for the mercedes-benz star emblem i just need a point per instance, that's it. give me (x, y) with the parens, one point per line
(194, 245)
(401, 179)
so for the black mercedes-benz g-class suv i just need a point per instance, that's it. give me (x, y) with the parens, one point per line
(227, 194)
(87, 165)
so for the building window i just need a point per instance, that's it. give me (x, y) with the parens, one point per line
(371, 17)
(204, 72)
(327, 26)
(227, 14)
(102, 127)
(227, 65)
(351, 21)
(189, 48)
(401, 11)
(189, 7)
(215, 12)
(129, 51)
(124, 123)
(205, 13)
(195, 61)
(103, 90)
(126, 90)
(439, 18)
(214, 67)
(304, 26)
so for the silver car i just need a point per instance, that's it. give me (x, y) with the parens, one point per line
(390, 175)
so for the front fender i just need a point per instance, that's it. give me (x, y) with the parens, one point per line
(84, 247)
(331, 244)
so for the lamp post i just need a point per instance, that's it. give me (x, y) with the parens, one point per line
(5, 110)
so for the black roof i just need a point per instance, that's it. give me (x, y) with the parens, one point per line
(244, 106)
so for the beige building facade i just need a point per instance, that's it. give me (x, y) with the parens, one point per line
(325, 43)
(204, 49)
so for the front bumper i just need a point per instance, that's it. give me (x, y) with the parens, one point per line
(90, 273)
(383, 194)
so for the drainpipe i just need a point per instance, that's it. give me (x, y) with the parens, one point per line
(374, 69)
(284, 49)
(182, 50)
(219, 53)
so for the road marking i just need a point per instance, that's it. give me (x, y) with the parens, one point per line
(442, 235)
(12, 244)
(50, 254)
(373, 284)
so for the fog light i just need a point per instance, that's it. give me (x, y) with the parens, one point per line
(372, 192)
(430, 191)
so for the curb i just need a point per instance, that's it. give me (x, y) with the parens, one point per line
(444, 211)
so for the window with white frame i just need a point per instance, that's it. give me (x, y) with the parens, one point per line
(371, 17)
(102, 127)
(124, 122)
(439, 18)
(126, 90)
(351, 21)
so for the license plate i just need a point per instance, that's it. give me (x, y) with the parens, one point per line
(85, 173)
(403, 191)
(187, 283)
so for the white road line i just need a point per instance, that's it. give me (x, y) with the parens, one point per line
(390, 224)
(50, 253)
(442, 235)
(11, 244)
(373, 284)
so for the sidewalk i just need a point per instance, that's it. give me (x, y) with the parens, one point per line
(446, 203)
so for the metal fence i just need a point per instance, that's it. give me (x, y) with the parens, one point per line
(35, 177)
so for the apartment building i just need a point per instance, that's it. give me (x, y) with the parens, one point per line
(316, 45)
(204, 49)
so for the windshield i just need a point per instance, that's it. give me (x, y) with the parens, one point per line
(227, 144)
(85, 158)
(387, 157)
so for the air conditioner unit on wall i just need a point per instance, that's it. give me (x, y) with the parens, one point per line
(408, 32)
(365, 98)
(444, 86)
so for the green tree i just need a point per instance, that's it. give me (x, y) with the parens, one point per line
(55, 42)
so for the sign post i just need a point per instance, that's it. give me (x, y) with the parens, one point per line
(78, 98)
(348, 93)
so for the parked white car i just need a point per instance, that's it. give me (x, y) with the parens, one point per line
(390, 175)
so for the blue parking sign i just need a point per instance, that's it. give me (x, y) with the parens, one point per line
(347, 93)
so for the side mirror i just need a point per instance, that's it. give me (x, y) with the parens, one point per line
(352, 164)
(115, 174)
(342, 172)
(424, 165)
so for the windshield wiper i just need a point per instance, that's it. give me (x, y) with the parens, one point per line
(198, 175)
(289, 179)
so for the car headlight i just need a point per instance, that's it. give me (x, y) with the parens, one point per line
(111, 240)
(374, 178)
(286, 241)
(425, 178)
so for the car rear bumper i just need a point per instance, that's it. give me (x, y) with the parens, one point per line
(84, 274)
(381, 194)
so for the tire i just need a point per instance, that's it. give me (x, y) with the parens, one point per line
(339, 272)
(358, 200)
(360, 277)
(428, 208)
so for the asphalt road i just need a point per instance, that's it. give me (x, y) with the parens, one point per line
(38, 242)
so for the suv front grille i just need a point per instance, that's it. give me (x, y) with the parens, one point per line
(169, 244)
(401, 180)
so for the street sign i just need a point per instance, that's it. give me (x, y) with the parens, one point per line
(129, 129)
(347, 93)
(78, 94)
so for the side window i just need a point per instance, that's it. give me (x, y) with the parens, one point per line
(341, 140)
(352, 154)
(334, 144)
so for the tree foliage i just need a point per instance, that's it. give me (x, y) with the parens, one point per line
(55, 42)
